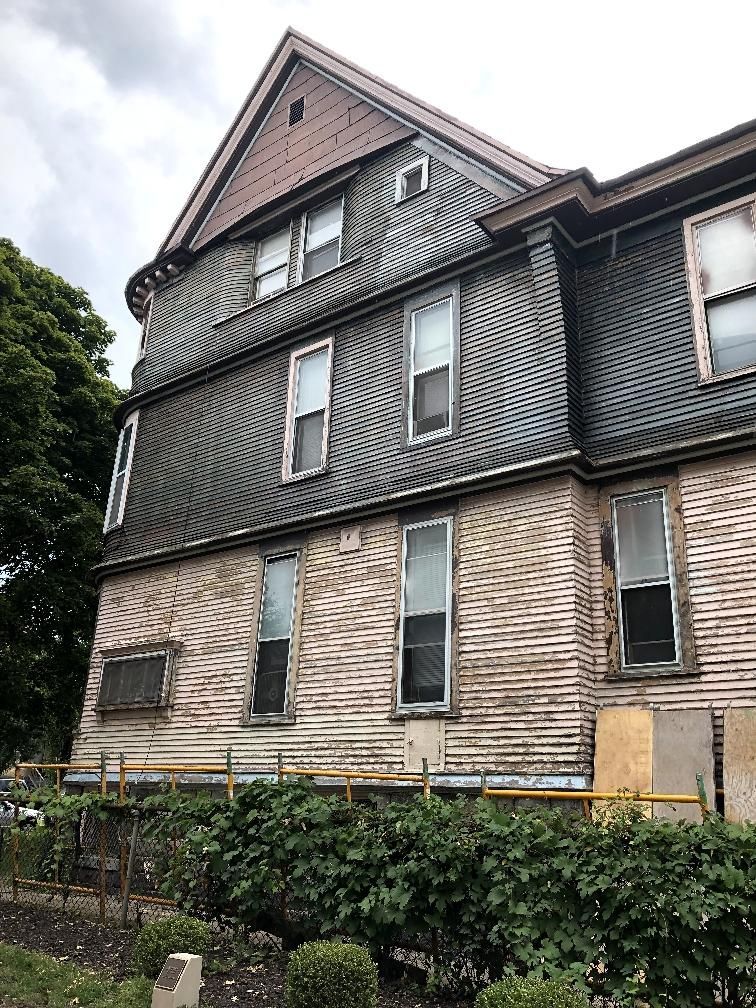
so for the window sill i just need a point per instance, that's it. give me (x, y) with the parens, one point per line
(715, 379)
(298, 477)
(405, 199)
(428, 439)
(653, 672)
(267, 719)
(163, 711)
(407, 714)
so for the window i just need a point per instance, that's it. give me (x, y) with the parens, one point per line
(135, 680)
(431, 329)
(424, 643)
(721, 256)
(308, 412)
(272, 659)
(645, 579)
(412, 179)
(146, 314)
(271, 271)
(322, 239)
(121, 471)
(297, 110)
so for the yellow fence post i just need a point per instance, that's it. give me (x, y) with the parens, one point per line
(426, 779)
(14, 868)
(103, 832)
(229, 776)
(280, 768)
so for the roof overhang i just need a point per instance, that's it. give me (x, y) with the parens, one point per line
(586, 209)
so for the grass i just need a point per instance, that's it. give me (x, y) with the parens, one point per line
(31, 980)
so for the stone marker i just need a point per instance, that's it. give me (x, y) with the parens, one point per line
(179, 982)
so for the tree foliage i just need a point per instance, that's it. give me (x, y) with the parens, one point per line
(56, 453)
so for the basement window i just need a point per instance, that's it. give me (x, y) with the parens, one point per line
(135, 680)
(121, 472)
(271, 272)
(322, 239)
(273, 653)
(425, 631)
(308, 410)
(412, 179)
(721, 260)
(297, 110)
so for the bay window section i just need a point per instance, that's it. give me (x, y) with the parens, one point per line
(308, 410)
(645, 580)
(121, 472)
(424, 644)
(271, 271)
(273, 652)
(321, 248)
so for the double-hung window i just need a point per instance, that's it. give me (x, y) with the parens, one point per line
(308, 410)
(121, 472)
(425, 631)
(135, 680)
(432, 332)
(721, 255)
(645, 580)
(321, 249)
(271, 272)
(412, 179)
(273, 652)
(146, 315)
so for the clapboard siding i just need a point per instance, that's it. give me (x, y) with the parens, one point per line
(384, 244)
(719, 504)
(208, 460)
(639, 377)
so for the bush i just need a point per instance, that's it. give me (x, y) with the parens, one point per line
(528, 992)
(162, 938)
(331, 975)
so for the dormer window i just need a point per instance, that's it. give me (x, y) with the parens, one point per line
(271, 264)
(412, 179)
(322, 239)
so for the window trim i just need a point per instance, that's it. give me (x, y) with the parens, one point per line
(146, 321)
(411, 307)
(695, 290)
(685, 662)
(296, 356)
(253, 277)
(303, 238)
(421, 162)
(166, 684)
(132, 418)
(444, 705)
(278, 551)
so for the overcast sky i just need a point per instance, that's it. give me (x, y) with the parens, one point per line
(110, 109)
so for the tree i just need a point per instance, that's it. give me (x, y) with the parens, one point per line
(57, 443)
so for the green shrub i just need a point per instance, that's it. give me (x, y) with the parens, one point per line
(331, 975)
(162, 938)
(528, 992)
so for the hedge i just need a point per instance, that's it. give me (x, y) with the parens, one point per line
(331, 975)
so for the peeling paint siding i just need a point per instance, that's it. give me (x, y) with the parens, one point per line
(719, 513)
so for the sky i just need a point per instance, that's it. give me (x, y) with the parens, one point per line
(110, 109)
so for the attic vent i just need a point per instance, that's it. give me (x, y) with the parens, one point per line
(296, 111)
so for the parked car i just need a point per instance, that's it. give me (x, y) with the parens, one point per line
(26, 816)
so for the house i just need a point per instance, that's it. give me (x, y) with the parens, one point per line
(434, 451)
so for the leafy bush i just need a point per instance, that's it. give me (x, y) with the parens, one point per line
(325, 974)
(526, 992)
(162, 938)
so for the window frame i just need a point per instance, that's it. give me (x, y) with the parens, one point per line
(424, 164)
(279, 551)
(146, 321)
(166, 685)
(253, 274)
(303, 239)
(442, 706)
(295, 357)
(108, 526)
(413, 306)
(695, 289)
(685, 661)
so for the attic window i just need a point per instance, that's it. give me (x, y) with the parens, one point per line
(412, 179)
(296, 111)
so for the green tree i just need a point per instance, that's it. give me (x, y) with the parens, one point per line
(57, 443)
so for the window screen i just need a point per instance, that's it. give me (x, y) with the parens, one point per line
(308, 412)
(272, 264)
(297, 110)
(430, 371)
(726, 249)
(424, 658)
(134, 680)
(644, 580)
(120, 475)
(274, 636)
(322, 242)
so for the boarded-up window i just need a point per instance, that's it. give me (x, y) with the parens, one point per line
(269, 691)
(121, 471)
(135, 680)
(425, 620)
(308, 410)
(322, 239)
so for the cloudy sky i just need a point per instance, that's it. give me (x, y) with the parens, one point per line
(110, 109)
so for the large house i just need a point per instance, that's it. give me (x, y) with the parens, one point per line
(433, 451)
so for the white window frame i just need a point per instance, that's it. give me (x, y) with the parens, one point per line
(303, 240)
(444, 431)
(695, 288)
(421, 162)
(291, 399)
(671, 580)
(165, 687)
(132, 418)
(272, 558)
(441, 705)
(146, 320)
(255, 276)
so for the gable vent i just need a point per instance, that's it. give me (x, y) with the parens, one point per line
(296, 111)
